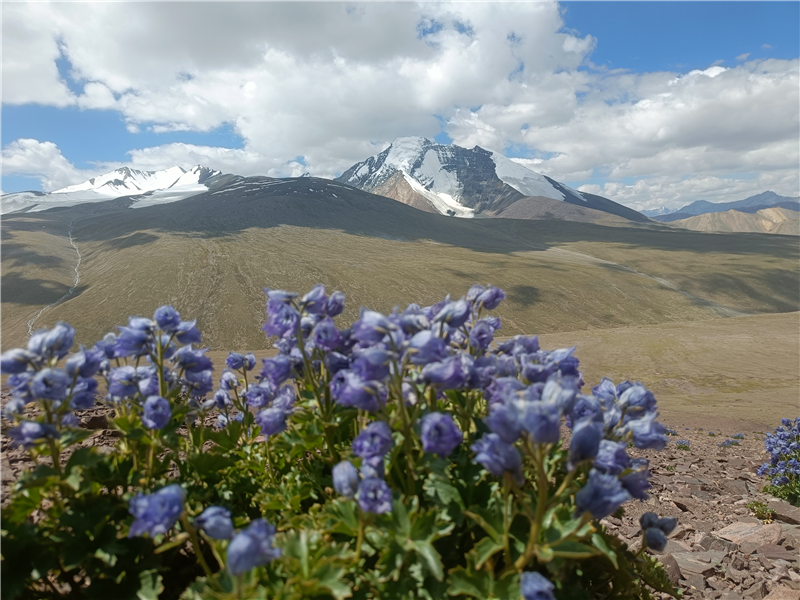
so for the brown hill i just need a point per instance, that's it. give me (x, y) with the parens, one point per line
(767, 220)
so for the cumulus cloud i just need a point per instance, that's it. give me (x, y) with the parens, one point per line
(44, 160)
(319, 86)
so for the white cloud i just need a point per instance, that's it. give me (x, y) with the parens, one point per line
(43, 160)
(334, 82)
(743, 56)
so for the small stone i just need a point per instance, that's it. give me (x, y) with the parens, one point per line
(765, 562)
(730, 595)
(735, 575)
(768, 534)
(96, 422)
(736, 532)
(695, 581)
(775, 552)
(785, 512)
(672, 568)
(757, 591)
(783, 593)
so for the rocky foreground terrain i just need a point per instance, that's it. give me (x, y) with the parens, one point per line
(720, 550)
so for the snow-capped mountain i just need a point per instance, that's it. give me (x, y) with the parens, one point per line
(657, 212)
(145, 188)
(463, 182)
(127, 181)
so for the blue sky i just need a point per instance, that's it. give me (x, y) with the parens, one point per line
(613, 57)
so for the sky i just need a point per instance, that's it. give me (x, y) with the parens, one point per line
(650, 104)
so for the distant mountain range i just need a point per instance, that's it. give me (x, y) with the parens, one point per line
(749, 205)
(436, 178)
(776, 219)
(461, 182)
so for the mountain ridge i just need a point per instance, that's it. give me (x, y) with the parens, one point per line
(465, 182)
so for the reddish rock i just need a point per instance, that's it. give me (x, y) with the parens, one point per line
(775, 552)
(783, 593)
(768, 534)
(672, 568)
(785, 512)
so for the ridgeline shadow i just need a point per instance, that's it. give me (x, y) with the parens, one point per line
(35, 292)
(18, 255)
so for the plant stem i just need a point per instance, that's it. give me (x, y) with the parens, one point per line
(360, 536)
(198, 553)
(506, 523)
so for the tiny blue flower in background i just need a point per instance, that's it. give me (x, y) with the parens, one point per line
(157, 512)
(374, 496)
(439, 434)
(374, 440)
(535, 586)
(602, 495)
(70, 420)
(497, 457)
(157, 412)
(252, 547)
(216, 522)
(28, 433)
(738, 436)
(345, 479)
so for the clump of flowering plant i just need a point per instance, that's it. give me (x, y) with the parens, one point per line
(783, 467)
(409, 455)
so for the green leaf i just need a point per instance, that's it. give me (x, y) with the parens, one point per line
(431, 557)
(330, 578)
(442, 490)
(150, 585)
(574, 550)
(485, 549)
(467, 584)
(508, 587)
(600, 543)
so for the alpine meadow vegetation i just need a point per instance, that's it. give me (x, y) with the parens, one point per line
(407, 456)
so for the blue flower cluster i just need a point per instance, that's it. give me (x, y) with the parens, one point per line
(683, 444)
(784, 451)
(419, 355)
(656, 530)
(728, 443)
(373, 493)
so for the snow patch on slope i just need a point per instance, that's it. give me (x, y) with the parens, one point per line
(526, 181)
(442, 202)
(158, 187)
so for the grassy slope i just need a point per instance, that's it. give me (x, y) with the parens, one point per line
(726, 373)
(210, 257)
